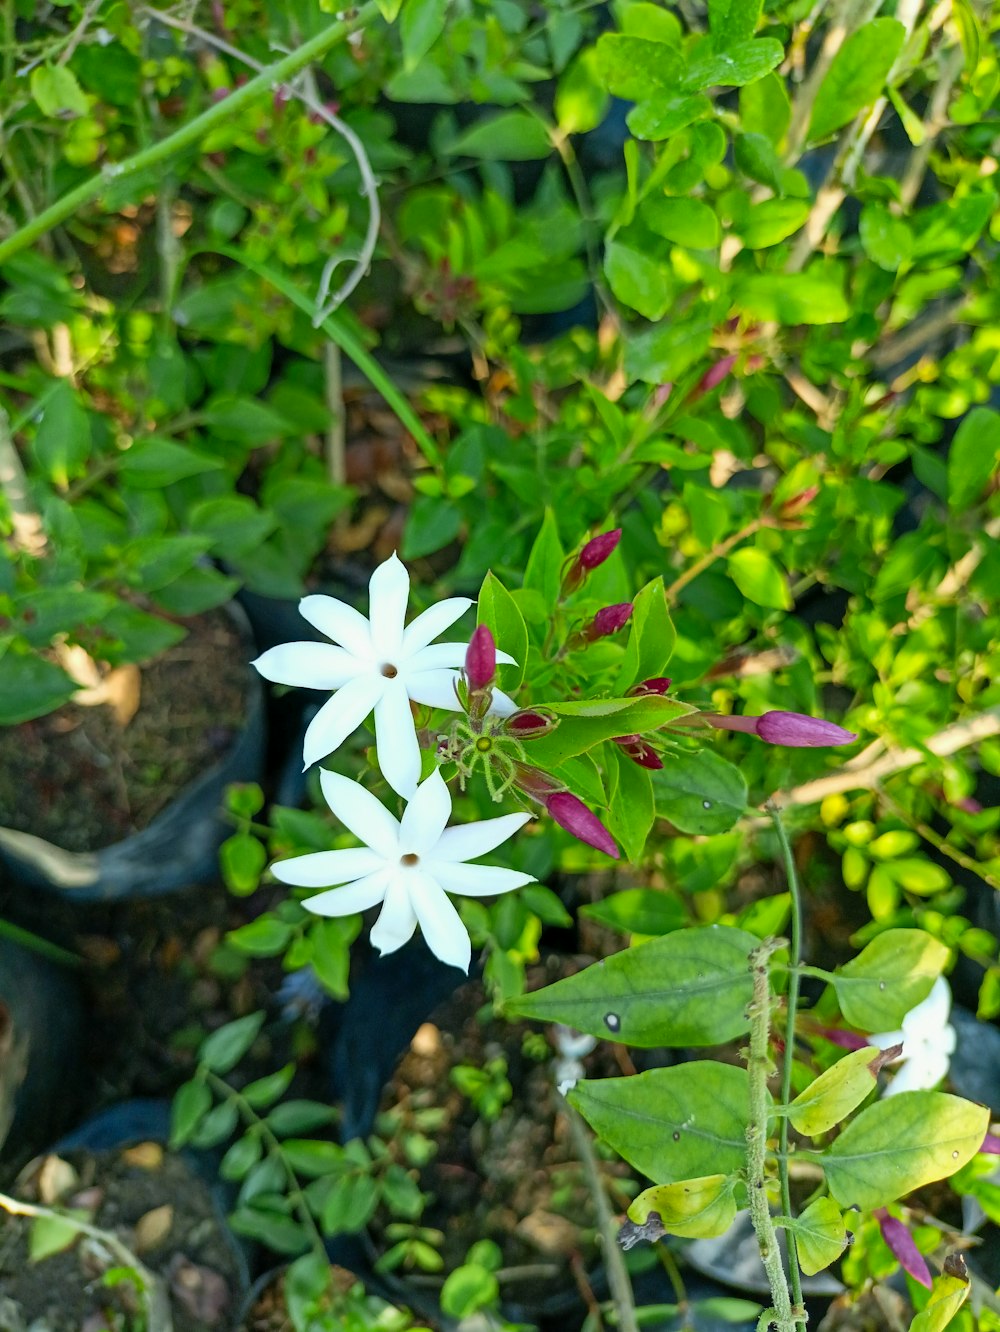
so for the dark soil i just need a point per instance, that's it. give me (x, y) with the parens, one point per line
(164, 1215)
(81, 780)
(518, 1180)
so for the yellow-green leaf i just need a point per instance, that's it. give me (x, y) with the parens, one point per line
(888, 977)
(837, 1092)
(820, 1235)
(949, 1294)
(694, 1208)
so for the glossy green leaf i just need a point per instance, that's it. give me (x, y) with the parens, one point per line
(581, 101)
(816, 297)
(746, 62)
(279, 1232)
(820, 1235)
(973, 458)
(510, 136)
(350, 1205)
(31, 686)
(765, 107)
(638, 911)
(887, 240)
(62, 440)
(666, 351)
(700, 793)
(57, 92)
(690, 987)
(242, 858)
(757, 157)
(684, 221)
(732, 21)
(241, 1157)
(421, 25)
(544, 569)
(300, 1117)
(217, 1126)
(630, 803)
(857, 75)
(153, 462)
(192, 1101)
(661, 116)
(832, 1096)
(760, 578)
(947, 1297)
(634, 67)
(584, 725)
(891, 975)
(264, 1091)
(651, 637)
(468, 1288)
(498, 610)
(672, 1123)
(267, 936)
(692, 1208)
(901, 1143)
(638, 279)
(227, 1046)
(772, 221)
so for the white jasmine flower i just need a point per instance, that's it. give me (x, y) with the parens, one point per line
(928, 1041)
(377, 665)
(410, 864)
(572, 1046)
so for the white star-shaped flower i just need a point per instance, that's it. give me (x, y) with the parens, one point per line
(377, 664)
(410, 864)
(928, 1041)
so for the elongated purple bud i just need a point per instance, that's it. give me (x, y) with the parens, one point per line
(608, 620)
(481, 659)
(713, 376)
(901, 1242)
(792, 729)
(594, 553)
(529, 724)
(657, 684)
(639, 751)
(573, 815)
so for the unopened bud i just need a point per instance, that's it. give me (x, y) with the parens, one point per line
(608, 620)
(573, 815)
(639, 751)
(796, 504)
(594, 553)
(481, 659)
(713, 376)
(791, 729)
(529, 724)
(657, 684)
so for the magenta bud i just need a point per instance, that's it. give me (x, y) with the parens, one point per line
(799, 731)
(573, 815)
(658, 684)
(713, 376)
(639, 751)
(608, 620)
(536, 784)
(598, 548)
(796, 504)
(902, 1245)
(529, 724)
(481, 659)
(991, 1145)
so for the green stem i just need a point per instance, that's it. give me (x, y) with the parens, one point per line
(758, 1066)
(41, 946)
(190, 134)
(791, 1012)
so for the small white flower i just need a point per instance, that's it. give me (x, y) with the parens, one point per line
(378, 664)
(410, 864)
(572, 1046)
(928, 1041)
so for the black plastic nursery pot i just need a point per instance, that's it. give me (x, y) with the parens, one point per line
(161, 1222)
(178, 847)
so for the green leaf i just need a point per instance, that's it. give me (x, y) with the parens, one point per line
(62, 440)
(241, 1157)
(692, 1208)
(264, 1091)
(155, 561)
(887, 240)
(857, 75)
(651, 637)
(661, 116)
(638, 279)
(836, 1092)
(227, 1046)
(30, 687)
(757, 157)
(192, 1101)
(759, 578)
(218, 1125)
(901, 1143)
(891, 975)
(277, 1231)
(152, 462)
(196, 590)
(264, 937)
(299, 1117)
(820, 1235)
(744, 63)
(246, 420)
(772, 221)
(498, 610)
(684, 221)
(543, 571)
(242, 859)
(630, 803)
(142, 635)
(765, 108)
(422, 24)
(732, 21)
(389, 9)
(584, 725)
(314, 1159)
(947, 1297)
(672, 1123)
(973, 458)
(700, 793)
(650, 911)
(233, 524)
(510, 136)
(431, 524)
(690, 987)
(468, 1288)
(634, 67)
(53, 1234)
(816, 297)
(350, 1205)
(666, 351)
(57, 92)
(581, 102)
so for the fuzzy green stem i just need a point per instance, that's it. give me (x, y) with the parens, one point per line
(190, 134)
(791, 1012)
(758, 1066)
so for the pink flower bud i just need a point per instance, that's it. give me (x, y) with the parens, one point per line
(658, 684)
(535, 783)
(900, 1241)
(796, 504)
(530, 724)
(639, 751)
(595, 552)
(792, 729)
(573, 815)
(608, 620)
(713, 376)
(481, 659)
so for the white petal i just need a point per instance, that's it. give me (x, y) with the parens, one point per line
(426, 816)
(359, 811)
(502, 705)
(505, 659)
(437, 657)
(308, 665)
(918, 1075)
(931, 1014)
(388, 593)
(351, 898)
(340, 622)
(323, 868)
(435, 689)
(397, 919)
(396, 740)
(433, 621)
(468, 840)
(440, 923)
(475, 880)
(340, 715)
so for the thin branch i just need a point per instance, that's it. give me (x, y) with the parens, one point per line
(336, 453)
(937, 120)
(29, 532)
